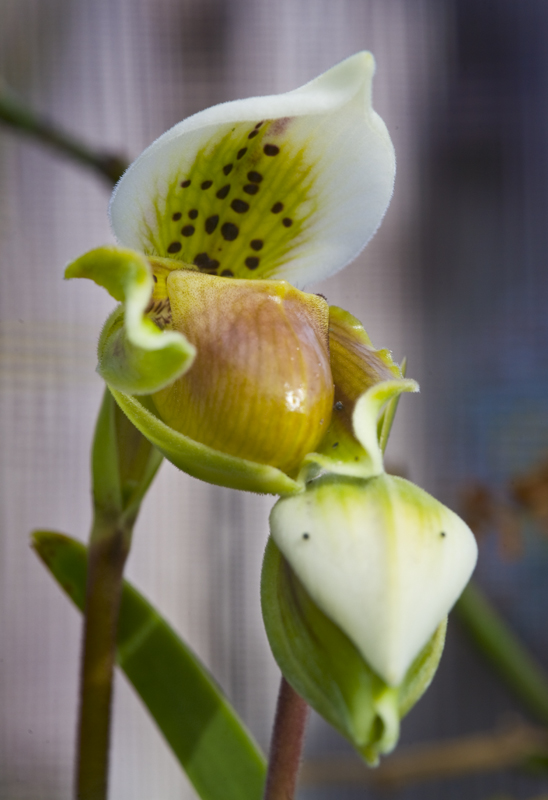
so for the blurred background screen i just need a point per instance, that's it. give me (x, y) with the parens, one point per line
(456, 280)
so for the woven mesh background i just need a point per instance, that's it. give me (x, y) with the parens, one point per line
(118, 73)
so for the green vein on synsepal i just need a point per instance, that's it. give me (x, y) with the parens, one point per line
(206, 735)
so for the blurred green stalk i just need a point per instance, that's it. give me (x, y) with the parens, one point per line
(124, 464)
(501, 647)
(18, 115)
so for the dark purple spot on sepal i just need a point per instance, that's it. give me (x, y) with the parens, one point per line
(230, 231)
(239, 206)
(211, 223)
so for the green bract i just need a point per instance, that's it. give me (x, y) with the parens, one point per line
(328, 671)
(358, 578)
(220, 212)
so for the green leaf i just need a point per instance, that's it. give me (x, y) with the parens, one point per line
(211, 743)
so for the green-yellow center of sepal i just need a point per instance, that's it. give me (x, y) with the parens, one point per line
(242, 207)
(260, 387)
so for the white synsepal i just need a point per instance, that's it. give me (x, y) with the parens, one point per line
(381, 557)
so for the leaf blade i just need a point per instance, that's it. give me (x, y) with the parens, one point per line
(211, 743)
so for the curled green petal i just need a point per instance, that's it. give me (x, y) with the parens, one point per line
(365, 380)
(328, 671)
(199, 460)
(366, 414)
(135, 356)
(386, 419)
(364, 455)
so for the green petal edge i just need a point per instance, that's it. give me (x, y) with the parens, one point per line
(135, 356)
(201, 461)
(205, 733)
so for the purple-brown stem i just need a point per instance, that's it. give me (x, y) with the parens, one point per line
(109, 547)
(286, 744)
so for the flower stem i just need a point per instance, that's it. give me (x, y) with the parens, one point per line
(286, 745)
(123, 466)
(108, 550)
(509, 657)
(15, 113)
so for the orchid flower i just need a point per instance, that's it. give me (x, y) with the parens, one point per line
(215, 353)
(241, 378)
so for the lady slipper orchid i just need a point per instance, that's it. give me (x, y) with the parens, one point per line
(241, 378)
(216, 354)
